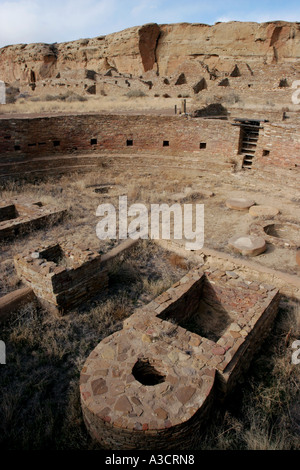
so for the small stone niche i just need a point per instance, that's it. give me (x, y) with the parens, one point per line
(54, 254)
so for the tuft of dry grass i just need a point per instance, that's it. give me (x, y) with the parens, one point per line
(178, 261)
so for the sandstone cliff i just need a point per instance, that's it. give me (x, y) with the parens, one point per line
(158, 48)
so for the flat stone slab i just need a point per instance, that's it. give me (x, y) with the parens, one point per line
(266, 211)
(248, 245)
(298, 257)
(239, 204)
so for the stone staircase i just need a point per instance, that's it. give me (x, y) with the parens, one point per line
(249, 143)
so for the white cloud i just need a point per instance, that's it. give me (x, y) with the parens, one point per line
(65, 20)
(263, 16)
(43, 21)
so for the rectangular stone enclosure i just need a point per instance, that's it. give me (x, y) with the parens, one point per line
(62, 275)
(19, 216)
(231, 314)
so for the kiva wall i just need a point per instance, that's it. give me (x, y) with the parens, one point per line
(24, 142)
(60, 134)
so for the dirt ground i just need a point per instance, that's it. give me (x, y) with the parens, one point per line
(77, 194)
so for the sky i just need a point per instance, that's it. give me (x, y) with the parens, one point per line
(49, 21)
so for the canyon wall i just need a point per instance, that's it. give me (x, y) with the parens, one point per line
(156, 48)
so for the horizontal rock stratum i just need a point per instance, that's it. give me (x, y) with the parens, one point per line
(158, 48)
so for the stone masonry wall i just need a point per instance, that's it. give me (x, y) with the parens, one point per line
(62, 276)
(20, 215)
(26, 141)
(279, 145)
(63, 134)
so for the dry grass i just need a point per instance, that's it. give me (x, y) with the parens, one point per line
(94, 104)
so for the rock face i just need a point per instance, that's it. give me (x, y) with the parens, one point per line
(158, 48)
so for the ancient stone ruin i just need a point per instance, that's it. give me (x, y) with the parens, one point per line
(152, 384)
(65, 275)
(20, 215)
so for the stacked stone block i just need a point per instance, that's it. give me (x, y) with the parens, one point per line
(63, 276)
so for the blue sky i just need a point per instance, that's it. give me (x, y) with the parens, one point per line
(27, 21)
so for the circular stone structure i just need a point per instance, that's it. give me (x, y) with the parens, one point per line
(239, 204)
(248, 245)
(263, 211)
(283, 234)
(137, 393)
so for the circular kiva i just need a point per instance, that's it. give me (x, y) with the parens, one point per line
(283, 234)
(298, 257)
(263, 211)
(137, 394)
(248, 245)
(239, 204)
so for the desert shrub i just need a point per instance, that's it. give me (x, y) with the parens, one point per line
(75, 97)
(68, 97)
(136, 94)
(232, 98)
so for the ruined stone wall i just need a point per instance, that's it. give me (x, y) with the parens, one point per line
(61, 134)
(22, 140)
(278, 144)
(62, 277)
